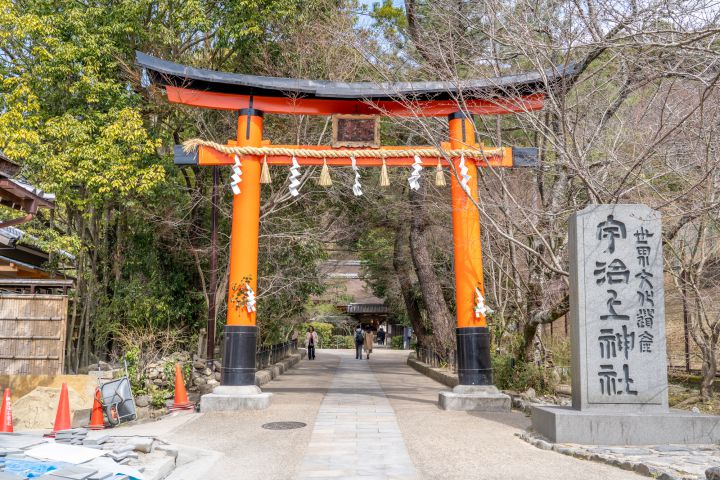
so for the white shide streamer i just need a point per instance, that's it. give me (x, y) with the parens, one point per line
(414, 178)
(236, 176)
(464, 177)
(480, 307)
(294, 175)
(250, 298)
(357, 188)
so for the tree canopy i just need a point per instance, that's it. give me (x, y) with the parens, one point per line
(637, 123)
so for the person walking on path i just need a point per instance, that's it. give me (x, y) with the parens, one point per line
(381, 336)
(367, 345)
(359, 339)
(311, 339)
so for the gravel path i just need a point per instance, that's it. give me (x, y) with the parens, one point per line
(250, 452)
(367, 419)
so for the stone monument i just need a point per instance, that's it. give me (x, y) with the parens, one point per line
(617, 310)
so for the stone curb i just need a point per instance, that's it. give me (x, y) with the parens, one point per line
(638, 467)
(273, 371)
(193, 463)
(437, 374)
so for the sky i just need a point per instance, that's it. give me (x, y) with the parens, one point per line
(369, 4)
(397, 3)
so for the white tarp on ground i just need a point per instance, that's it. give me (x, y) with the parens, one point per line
(64, 453)
(105, 464)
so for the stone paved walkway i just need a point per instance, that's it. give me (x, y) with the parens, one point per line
(376, 419)
(356, 434)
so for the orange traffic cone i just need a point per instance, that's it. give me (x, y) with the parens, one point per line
(62, 419)
(6, 413)
(97, 421)
(181, 399)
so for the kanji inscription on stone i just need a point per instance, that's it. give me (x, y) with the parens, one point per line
(617, 305)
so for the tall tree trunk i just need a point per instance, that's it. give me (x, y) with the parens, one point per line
(94, 288)
(404, 272)
(75, 219)
(440, 317)
(540, 317)
(709, 369)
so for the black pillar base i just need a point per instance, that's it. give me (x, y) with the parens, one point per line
(239, 355)
(473, 355)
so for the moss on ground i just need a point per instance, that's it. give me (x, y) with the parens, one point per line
(685, 396)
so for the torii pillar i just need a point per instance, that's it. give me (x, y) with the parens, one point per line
(476, 390)
(238, 390)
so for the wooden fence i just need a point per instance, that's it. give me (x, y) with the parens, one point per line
(32, 334)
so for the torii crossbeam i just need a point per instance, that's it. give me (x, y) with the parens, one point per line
(254, 96)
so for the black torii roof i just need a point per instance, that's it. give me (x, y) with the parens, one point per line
(163, 72)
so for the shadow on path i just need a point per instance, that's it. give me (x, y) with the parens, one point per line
(463, 445)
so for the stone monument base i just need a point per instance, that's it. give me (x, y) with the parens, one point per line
(593, 427)
(479, 398)
(226, 398)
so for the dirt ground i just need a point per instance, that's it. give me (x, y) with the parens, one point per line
(685, 396)
(37, 409)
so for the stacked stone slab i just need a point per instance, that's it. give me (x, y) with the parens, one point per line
(617, 310)
(73, 436)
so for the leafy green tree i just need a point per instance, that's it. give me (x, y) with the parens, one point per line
(73, 112)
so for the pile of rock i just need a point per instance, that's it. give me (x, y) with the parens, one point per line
(204, 379)
(159, 379)
(162, 372)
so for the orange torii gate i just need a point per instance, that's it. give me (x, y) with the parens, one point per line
(255, 96)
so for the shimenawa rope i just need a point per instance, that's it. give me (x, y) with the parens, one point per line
(193, 144)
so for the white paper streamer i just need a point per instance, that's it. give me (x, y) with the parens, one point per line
(480, 307)
(145, 79)
(236, 176)
(464, 177)
(250, 298)
(357, 188)
(294, 174)
(414, 178)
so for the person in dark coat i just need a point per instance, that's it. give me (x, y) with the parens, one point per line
(359, 340)
(311, 340)
(381, 336)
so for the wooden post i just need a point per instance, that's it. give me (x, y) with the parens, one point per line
(212, 293)
(241, 329)
(473, 337)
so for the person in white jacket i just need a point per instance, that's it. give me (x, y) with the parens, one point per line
(311, 339)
